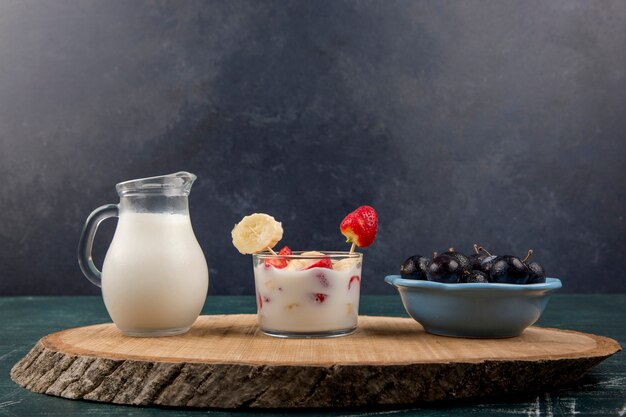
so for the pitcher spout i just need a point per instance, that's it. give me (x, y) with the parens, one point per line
(178, 183)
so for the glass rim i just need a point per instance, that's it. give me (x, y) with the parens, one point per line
(298, 255)
(178, 183)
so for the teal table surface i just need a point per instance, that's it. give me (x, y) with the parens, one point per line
(602, 392)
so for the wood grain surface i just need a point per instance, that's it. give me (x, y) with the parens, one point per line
(225, 362)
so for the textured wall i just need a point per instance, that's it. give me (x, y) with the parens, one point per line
(502, 122)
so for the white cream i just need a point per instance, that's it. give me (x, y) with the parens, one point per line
(308, 301)
(155, 276)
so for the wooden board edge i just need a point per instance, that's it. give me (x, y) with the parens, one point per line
(255, 386)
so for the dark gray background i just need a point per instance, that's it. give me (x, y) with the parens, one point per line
(499, 122)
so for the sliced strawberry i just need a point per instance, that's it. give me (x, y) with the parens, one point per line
(319, 297)
(322, 263)
(354, 278)
(321, 277)
(360, 226)
(279, 263)
(285, 251)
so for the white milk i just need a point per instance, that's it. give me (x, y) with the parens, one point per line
(155, 276)
(308, 301)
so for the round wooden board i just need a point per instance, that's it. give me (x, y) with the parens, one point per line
(226, 362)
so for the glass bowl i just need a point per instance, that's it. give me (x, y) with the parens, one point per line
(298, 297)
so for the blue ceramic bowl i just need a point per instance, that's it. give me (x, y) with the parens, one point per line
(474, 310)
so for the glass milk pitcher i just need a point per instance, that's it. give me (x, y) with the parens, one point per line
(155, 277)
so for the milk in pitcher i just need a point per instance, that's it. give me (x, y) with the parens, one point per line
(154, 274)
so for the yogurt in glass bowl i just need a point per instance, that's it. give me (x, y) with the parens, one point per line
(307, 294)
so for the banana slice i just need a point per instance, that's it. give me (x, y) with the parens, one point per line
(312, 253)
(256, 232)
(299, 264)
(345, 264)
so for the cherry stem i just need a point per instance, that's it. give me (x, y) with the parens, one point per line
(353, 248)
(528, 255)
(476, 249)
(480, 248)
(435, 255)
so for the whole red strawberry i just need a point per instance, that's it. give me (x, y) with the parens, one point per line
(360, 226)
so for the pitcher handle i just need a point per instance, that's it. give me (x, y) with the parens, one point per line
(85, 244)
